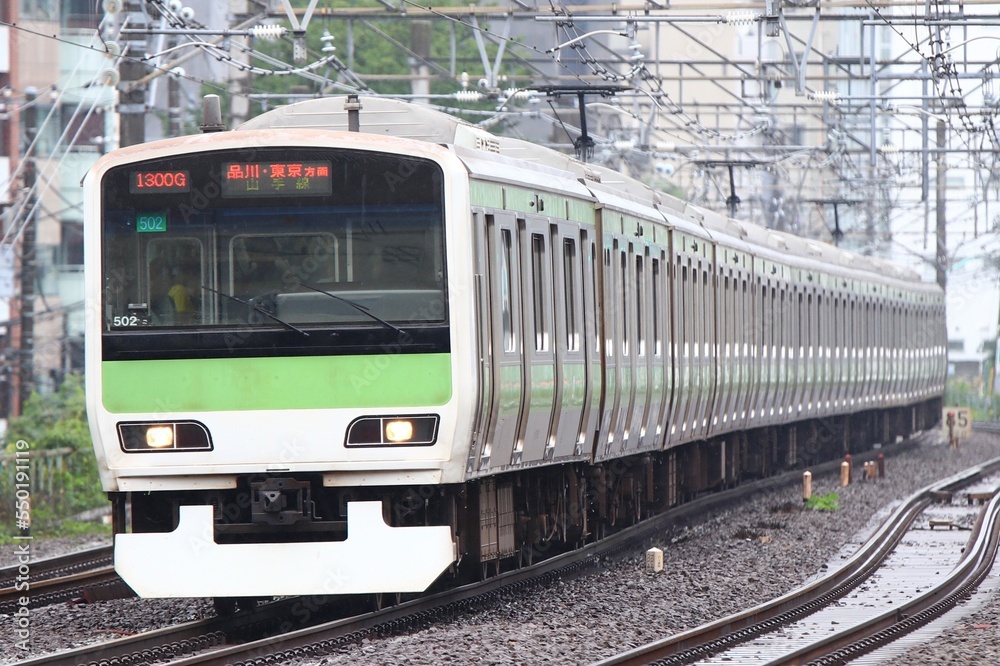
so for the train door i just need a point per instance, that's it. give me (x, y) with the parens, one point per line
(660, 381)
(815, 350)
(838, 346)
(779, 348)
(758, 345)
(535, 441)
(769, 382)
(722, 414)
(708, 346)
(802, 373)
(506, 380)
(854, 343)
(479, 455)
(673, 337)
(686, 324)
(608, 332)
(625, 345)
(842, 345)
(571, 388)
(744, 345)
(824, 376)
(592, 309)
(640, 438)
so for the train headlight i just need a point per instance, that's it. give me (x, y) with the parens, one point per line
(160, 437)
(393, 431)
(152, 436)
(399, 431)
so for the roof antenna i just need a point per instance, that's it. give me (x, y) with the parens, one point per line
(353, 108)
(211, 114)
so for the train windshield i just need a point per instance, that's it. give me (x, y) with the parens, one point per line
(292, 239)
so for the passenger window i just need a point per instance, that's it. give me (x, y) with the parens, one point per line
(505, 285)
(622, 298)
(538, 291)
(570, 280)
(657, 339)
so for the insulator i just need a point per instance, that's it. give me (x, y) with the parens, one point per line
(512, 93)
(741, 18)
(267, 32)
(468, 95)
(824, 95)
(108, 77)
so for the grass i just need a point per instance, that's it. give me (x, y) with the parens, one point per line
(65, 528)
(828, 502)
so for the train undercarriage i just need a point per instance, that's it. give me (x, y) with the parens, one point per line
(513, 519)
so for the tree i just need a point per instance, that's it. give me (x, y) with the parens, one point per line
(67, 484)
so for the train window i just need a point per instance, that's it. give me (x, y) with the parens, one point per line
(538, 292)
(623, 299)
(324, 244)
(592, 269)
(684, 334)
(262, 262)
(640, 292)
(609, 328)
(174, 275)
(506, 280)
(746, 316)
(572, 289)
(656, 310)
(707, 312)
(803, 332)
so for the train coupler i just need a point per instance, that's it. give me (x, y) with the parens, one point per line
(280, 501)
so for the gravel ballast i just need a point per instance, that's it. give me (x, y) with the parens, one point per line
(728, 561)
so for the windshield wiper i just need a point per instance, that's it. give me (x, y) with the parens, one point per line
(357, 306)
(258, 309)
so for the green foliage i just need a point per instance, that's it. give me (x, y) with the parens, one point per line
(374, 51)
(963, 393)
(64, 485)
(828, 502)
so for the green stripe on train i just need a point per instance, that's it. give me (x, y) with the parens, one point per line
(300, 382)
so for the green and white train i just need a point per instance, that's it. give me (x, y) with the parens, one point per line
(357, 346)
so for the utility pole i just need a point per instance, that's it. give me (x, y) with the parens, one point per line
(10, 137)
(25, 351)
(941, 261)
(241, 83)
(420, 44)
(132, 95)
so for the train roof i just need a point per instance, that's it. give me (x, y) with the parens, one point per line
(390, 117)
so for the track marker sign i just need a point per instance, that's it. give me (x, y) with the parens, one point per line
(956, 422)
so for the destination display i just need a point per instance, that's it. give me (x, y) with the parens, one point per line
(271, 179)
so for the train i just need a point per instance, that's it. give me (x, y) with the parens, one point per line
(357, 346)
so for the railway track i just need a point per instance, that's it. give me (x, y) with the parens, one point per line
(247, 638)
(819, 624)
(87, 574)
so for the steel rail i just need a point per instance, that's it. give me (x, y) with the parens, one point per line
(201, 635)
(57, 566)
(958, 585)
(694, 644)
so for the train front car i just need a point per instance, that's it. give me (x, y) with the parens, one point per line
(271, 368)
